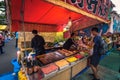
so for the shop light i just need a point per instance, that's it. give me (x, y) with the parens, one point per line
(69, 24)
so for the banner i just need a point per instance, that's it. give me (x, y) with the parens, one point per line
(99, 8)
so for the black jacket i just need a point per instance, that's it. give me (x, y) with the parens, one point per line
(68, 44)
(38, 43)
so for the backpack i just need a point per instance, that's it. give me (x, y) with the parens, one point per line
(103, 47)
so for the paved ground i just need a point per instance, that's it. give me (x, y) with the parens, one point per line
(112, 61)
(5, 59)
(108, 69)
(104, 74)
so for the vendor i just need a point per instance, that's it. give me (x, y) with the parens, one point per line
(38, 43)
(67, 45)
(84, 39)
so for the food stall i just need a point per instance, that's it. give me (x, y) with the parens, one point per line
(50, 17)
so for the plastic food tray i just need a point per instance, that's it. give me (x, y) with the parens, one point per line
(45, 68)
(64, 67)
(71, 59)
(50, 74)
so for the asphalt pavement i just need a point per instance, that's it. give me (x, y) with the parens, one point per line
(108, 69)
(6, 58)
(104, 74)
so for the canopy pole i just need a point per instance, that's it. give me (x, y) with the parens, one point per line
(8, 14)
(23, 28)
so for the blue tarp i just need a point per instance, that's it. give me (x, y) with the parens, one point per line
(9, 76)
(16, 65)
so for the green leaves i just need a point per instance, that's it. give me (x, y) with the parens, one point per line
(2, 13)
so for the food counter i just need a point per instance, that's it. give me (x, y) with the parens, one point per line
(68, 72)
(60, 66)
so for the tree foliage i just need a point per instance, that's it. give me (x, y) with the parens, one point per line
(2, 13)
(2, 4)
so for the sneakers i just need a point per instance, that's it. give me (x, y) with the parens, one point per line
(91, 75)
(95, 79)
(2, 53)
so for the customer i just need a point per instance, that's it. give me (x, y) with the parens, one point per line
(67, 45)
(38, 43)
(95, 57)
(1, 44)
(16, 37)
(3, 39)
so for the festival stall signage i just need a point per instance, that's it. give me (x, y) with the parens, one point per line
(99, 8)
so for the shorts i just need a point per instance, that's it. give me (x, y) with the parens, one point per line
(94, 60)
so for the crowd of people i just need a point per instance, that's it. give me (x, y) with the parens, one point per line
(5, 36)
